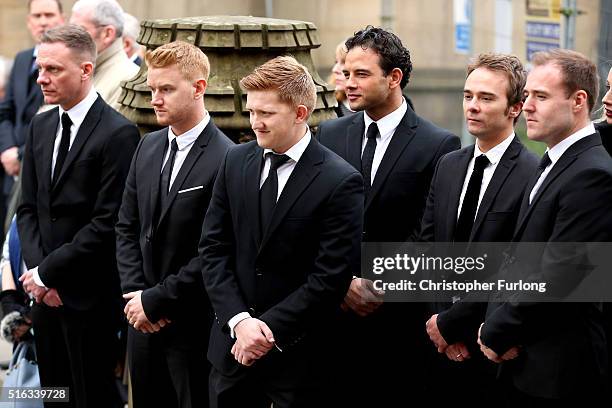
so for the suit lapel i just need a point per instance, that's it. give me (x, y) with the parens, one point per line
(251, 174)
(557, 169)
(564, 161)
(192, 157)
(48, 145)
(401, 138)
(505, 166)
(87, 127)
(354, 141)
(454, 193)
(303, 174)
(156, 168)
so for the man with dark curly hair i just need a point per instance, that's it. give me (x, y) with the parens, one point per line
(396, 152)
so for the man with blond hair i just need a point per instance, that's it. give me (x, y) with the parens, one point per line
(280, 235)
(166, 196)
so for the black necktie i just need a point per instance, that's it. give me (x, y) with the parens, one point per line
(164, 184)
(269, 190)
(367, 158)
(470, 201)
(64, 145)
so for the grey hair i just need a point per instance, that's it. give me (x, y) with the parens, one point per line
(103, 13)
(131, 28)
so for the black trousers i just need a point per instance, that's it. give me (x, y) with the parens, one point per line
(78, 349)
(472, 382)
(297, 377)
(515, 398)
(168, 369)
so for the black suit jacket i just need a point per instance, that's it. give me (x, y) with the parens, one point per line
(563, 347)
(397, 198)
(297, 275)
(495, 220)
(159, 254)
(68, 230)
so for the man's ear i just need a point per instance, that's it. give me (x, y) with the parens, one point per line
(301, 114)
(580, 98)
(87, 69)
(515, 110)
(109, 34)
(200, 88)
(395, 77)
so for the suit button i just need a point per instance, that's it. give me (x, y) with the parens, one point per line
(53, 219)
(258, 272)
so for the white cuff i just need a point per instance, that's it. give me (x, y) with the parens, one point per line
(36, 277)
(235, 320)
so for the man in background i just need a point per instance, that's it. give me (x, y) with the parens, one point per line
(104, 21)
(23, 95)
(131, 29)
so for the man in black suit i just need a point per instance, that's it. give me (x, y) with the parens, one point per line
(76, 160)
(160, 222)
(397, 152)
(561, 347)
(279, 239)
(23, 95)
(475, 196)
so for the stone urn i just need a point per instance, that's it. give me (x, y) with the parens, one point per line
(235, 45)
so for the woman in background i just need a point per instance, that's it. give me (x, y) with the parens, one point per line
(337, 78)
(605, 126)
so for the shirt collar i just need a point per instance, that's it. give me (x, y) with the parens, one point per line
(296, 151)
(495, 154)
(557, 150)
(78, 112)
(189, 136)
(388, 123)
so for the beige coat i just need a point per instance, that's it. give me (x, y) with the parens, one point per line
(112, 67)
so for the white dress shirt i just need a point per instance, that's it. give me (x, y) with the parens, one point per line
(77, 115)
(184, 142)
(557, 151)
(494, 155)
(283, 172)
(386, 129)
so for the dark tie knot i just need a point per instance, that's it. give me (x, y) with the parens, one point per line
(174, 145)
(66, 122)
(372, 131)
(544, 162)
(277, 160)
(481, 163)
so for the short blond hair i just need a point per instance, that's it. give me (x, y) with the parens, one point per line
(288, 77)
(191, 61)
